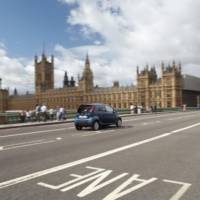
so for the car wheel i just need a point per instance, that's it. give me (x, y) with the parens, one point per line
(119, 123)
(78, 128)
(96, 126)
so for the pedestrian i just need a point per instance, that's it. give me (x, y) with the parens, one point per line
(28, 116)
(184, 107)
(155, 108)
(37, 112)
(51, 113)
(61, 113)
(22, 116)
(135, 109)
(57, 113)
(44, 112)
(131, 108)
(139, 110)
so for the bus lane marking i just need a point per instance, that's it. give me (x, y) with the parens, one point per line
(182, 190)
(37, 174)
(99, 178)
(96, 178)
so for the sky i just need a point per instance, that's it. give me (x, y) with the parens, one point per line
(118, 35)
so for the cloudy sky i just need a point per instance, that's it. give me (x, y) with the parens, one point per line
(118, 34)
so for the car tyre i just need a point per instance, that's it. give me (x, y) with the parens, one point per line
(78, 128)
(96, 126)
(119, 123)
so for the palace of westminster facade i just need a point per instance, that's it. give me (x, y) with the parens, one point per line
(163, 92)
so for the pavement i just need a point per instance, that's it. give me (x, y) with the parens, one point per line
(41, 123)
(152, 157)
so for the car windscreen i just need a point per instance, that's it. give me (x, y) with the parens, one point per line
(85, 108)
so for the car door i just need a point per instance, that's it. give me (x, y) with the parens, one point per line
(110, 115)
(101, 113)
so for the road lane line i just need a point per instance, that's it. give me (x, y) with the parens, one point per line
(34, 132)
(159, 116)
(146, 117)
(96, 133)
(22, 143)
(90, 158)
(26, 144)
(72, 127)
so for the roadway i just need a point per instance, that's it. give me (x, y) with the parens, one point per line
(152, 157)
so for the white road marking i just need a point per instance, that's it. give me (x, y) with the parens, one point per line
(180, 192)
(26, 144)
(34, 132)
(71, 127)
(181, 117)
(90, 158)
(99, 179)
(175, 118)
(79, 134)
(96, 133)
(120, 191)
(151, 117)
(160, 116)
(137, 119)
(150, 123)
(1, 148)
(77, 178)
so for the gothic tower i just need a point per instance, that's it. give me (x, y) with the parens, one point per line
(66, 80)
(171, 85)
(44, 74)
(145, 79)
(86, 82)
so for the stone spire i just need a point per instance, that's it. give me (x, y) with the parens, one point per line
(66, 80)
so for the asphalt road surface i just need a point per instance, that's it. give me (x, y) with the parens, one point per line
(152, 157)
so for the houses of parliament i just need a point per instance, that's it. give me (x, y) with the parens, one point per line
(164, 92)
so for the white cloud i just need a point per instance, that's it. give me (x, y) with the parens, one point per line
(131, 33)
(139, 32)
(16, 73)
(68, 1)
(2, 45)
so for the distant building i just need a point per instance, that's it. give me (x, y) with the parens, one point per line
(169, 91)
(191, 90)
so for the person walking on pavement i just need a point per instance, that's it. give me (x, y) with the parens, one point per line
(37, 112)
(132, 109)
(51, 113)
(62, 113)
(57, 113)
(44, 112)
(28, 115)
